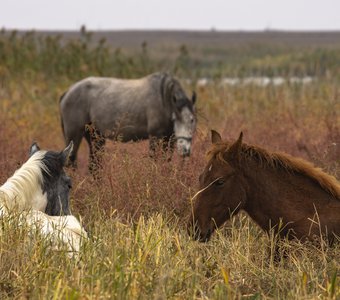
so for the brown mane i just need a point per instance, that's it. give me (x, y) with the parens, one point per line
(280, 160)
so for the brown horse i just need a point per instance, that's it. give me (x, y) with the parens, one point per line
(278, 191)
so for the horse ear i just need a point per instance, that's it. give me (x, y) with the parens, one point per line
(193, 97)
(215, 137)
(67, 151)
(174, 100)
(235, 148)
(34, 148)
(173, 116)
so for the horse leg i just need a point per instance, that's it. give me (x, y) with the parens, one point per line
(168, 144)
(76, 137)
(156, 145)
(96, 142)
(153, 142)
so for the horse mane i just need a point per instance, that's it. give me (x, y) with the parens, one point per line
(280, 160)
(167, 83)
(20, 189)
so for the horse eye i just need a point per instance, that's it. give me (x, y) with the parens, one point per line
(219, 182)
(69, 183)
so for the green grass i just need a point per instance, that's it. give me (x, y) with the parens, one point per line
(136, 215)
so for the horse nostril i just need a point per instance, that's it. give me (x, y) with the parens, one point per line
(193, 230)
(205, 237)
(208, 235)
(186, 152)
(196, 233)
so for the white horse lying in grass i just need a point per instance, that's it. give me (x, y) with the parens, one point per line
(65, 229)
(39, 192)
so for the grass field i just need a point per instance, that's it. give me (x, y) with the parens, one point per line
(136, 213)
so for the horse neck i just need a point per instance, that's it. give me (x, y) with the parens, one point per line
(273, 194)
(23, 190)
(14, 197)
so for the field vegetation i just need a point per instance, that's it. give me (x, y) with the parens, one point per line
(136, 213)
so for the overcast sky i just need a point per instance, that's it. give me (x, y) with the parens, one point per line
(171, 14)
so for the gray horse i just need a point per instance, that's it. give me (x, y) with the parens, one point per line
(154, 107)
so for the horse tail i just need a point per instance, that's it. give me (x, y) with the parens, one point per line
(61, 116)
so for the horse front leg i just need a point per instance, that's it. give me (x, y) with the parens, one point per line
(153, 142)
(160, 146)
(168, 145)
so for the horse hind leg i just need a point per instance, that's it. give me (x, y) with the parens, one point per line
(96, 142)
(76, 138)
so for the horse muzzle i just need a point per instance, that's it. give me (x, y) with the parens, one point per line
(184, 146)
(196, 233)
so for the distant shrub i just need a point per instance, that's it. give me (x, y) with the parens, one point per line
(54, 55)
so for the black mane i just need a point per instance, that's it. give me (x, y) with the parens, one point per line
(55, 183)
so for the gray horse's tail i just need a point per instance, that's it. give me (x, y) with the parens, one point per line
(61, 116)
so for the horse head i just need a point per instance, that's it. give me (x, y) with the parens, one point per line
(221, 189)
(55, 184)
(184, 120)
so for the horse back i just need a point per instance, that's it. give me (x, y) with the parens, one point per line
(132, 105)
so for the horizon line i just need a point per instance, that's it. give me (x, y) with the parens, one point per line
(279, 30)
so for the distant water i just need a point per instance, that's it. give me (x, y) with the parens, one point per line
(261, 81)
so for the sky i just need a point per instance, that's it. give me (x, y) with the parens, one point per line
(170, 14)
